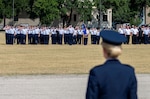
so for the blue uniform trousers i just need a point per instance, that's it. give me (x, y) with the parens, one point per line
(65, 38)
(46, 39)
(94, 39)
(35, 39)
(18, 38)
(128, 39)
(91, 39)
(6, 37)
(85, 41)
(54, 38)
(74, 39)
(41, 39)
(146, 39)
(10, 38)
(97, 39)
(134, 39)
(60, 39)
(79, 38)
(23, 38)
(30, 37)
(70, 39)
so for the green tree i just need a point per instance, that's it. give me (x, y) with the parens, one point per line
(5, 9)
(49, 10)
(46, 10)
(85, 10)
(121, 10)
(139, 4)
(66, 8)
(20, 6)
(1, 11)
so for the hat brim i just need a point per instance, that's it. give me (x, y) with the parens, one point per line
(112, 37)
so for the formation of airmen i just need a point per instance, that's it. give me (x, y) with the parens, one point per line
(44, 35)
(140, 35)
(71, 35)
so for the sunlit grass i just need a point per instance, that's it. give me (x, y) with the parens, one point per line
(64, 59)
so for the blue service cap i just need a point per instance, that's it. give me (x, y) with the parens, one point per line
(112, 37)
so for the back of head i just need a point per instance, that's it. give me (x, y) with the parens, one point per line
(111, 50)
(111, 43)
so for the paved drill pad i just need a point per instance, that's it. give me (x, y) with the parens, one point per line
(56, 87)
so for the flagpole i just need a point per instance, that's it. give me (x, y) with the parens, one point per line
(13, 12)
(100, 3)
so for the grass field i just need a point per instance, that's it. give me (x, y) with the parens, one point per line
(64, 59)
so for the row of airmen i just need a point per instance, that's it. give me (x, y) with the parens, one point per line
(139, 34)
(68, 35)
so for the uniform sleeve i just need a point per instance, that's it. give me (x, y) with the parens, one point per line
(133, 87)
(92, 87)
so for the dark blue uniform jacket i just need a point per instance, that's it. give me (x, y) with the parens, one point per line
(112, 80)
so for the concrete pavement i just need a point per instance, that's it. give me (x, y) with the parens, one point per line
(56, 87)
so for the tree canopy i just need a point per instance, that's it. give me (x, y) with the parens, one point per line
(46, 10)
(124, 10)
(83, 8)
(50, 10)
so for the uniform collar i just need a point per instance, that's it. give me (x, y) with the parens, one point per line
(110, 60)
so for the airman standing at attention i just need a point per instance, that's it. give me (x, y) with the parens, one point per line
(66, 33)
(121, 30)
(61, 33)
(98, 36)
(17, 34)
(75, 35)
(46, 35)
(11, 33)
(135, 34)
(30, 39)
(6, 28)
(53, 35)
(149, 35)
(113, 79)
(42, 32)
(23, 33)
(146, 32)
(79, 35)
(71, 31)
(128, 33)
(92, 35)
(94, 30)
(85, 35)
(36, 35)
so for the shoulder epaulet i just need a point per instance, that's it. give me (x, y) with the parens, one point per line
(128, 66)
(97, 66)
